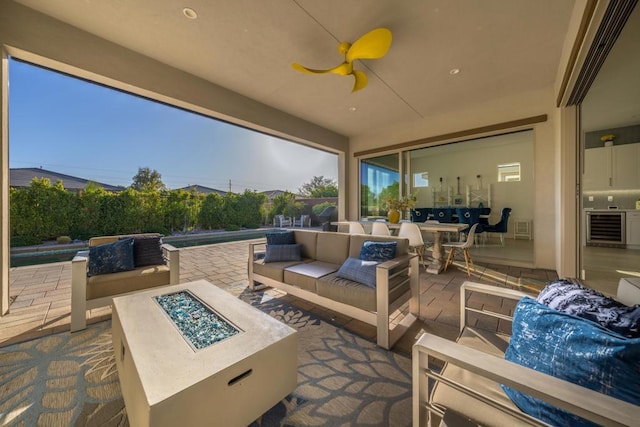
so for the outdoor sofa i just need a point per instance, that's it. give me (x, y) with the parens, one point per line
(314, 275)
(467, 391)
(119, 265)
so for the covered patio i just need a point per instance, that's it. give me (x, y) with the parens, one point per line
(39, 322)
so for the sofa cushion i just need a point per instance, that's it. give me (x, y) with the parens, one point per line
(570, 297)
(147, 249)
(359, 270)
(574, 349)
(332, 247)
(378, 251)
(308, 240)
(279, 253)
(273, 270)
(304, 275)
(280, 238)
(356, 294)
(106, 285)
(111, 257)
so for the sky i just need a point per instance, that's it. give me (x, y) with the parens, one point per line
(71, 126)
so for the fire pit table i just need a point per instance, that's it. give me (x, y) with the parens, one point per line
(193, 354)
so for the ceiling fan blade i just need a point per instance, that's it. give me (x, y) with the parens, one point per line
(361, 80)
(373, 44)
(304, 69)
(342, 69)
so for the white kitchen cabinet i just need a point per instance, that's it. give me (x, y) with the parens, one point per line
(625, 166)
(615, 167)
(633, 229)
(597, 168)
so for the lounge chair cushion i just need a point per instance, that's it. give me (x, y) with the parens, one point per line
(359, 270)
(111, 258)
(574, 349)
(279, 253)
(378, 251)
(107, 285)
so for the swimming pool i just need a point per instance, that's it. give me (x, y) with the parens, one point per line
(43, 255)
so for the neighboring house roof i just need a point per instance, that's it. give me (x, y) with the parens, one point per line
(271, 194)
(203, 189)
(21, 177)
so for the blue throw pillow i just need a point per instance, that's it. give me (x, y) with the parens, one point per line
(378, 251)
(574, 349)
(570, 297)
(111, 257)
(359, 270)
(280, 238)
(277, 253)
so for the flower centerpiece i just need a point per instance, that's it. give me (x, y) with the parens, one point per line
(396, 206)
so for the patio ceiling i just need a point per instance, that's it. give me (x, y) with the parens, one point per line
(501, 47)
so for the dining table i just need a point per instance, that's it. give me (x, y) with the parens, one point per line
(433, 227)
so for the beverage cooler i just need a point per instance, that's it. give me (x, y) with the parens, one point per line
(606, 228)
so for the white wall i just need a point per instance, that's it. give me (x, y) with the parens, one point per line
(481, 157)
(529, 104)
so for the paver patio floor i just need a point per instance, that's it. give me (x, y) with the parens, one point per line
(41, 295)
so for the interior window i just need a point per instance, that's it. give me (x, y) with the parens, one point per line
(509, 172)
(420, 179)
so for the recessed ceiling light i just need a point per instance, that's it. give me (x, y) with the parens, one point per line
(352, 109)
(189, 13)
(454, 71)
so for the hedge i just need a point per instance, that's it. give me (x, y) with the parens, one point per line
(44, 212)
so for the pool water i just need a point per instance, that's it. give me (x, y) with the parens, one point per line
(41, 256)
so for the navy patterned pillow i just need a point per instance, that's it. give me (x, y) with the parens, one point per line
(570, 297)
(111, 257)
(147, 249)
(359, 270)
(280, 238)
(573, 349)
(378, 251)
(278, 253)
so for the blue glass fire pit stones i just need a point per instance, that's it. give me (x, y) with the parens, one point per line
(199, 324)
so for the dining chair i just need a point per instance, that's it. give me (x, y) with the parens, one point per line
(412, 232)
(380, 229)
(470, 216)
(501, 226)
(356, 228)
(462, 247)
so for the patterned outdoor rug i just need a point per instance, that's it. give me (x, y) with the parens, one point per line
(343, 380)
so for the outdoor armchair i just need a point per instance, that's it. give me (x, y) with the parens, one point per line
(281, 221)
(303, 221)
(468, 385)
(110, 273)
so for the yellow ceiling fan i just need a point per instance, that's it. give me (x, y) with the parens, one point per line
(372, 45)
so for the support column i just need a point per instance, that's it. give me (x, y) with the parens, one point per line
(4, 185)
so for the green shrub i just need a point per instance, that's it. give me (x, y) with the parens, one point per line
(63, 240)
(317, 209)
(25, 241)
(232, 227)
